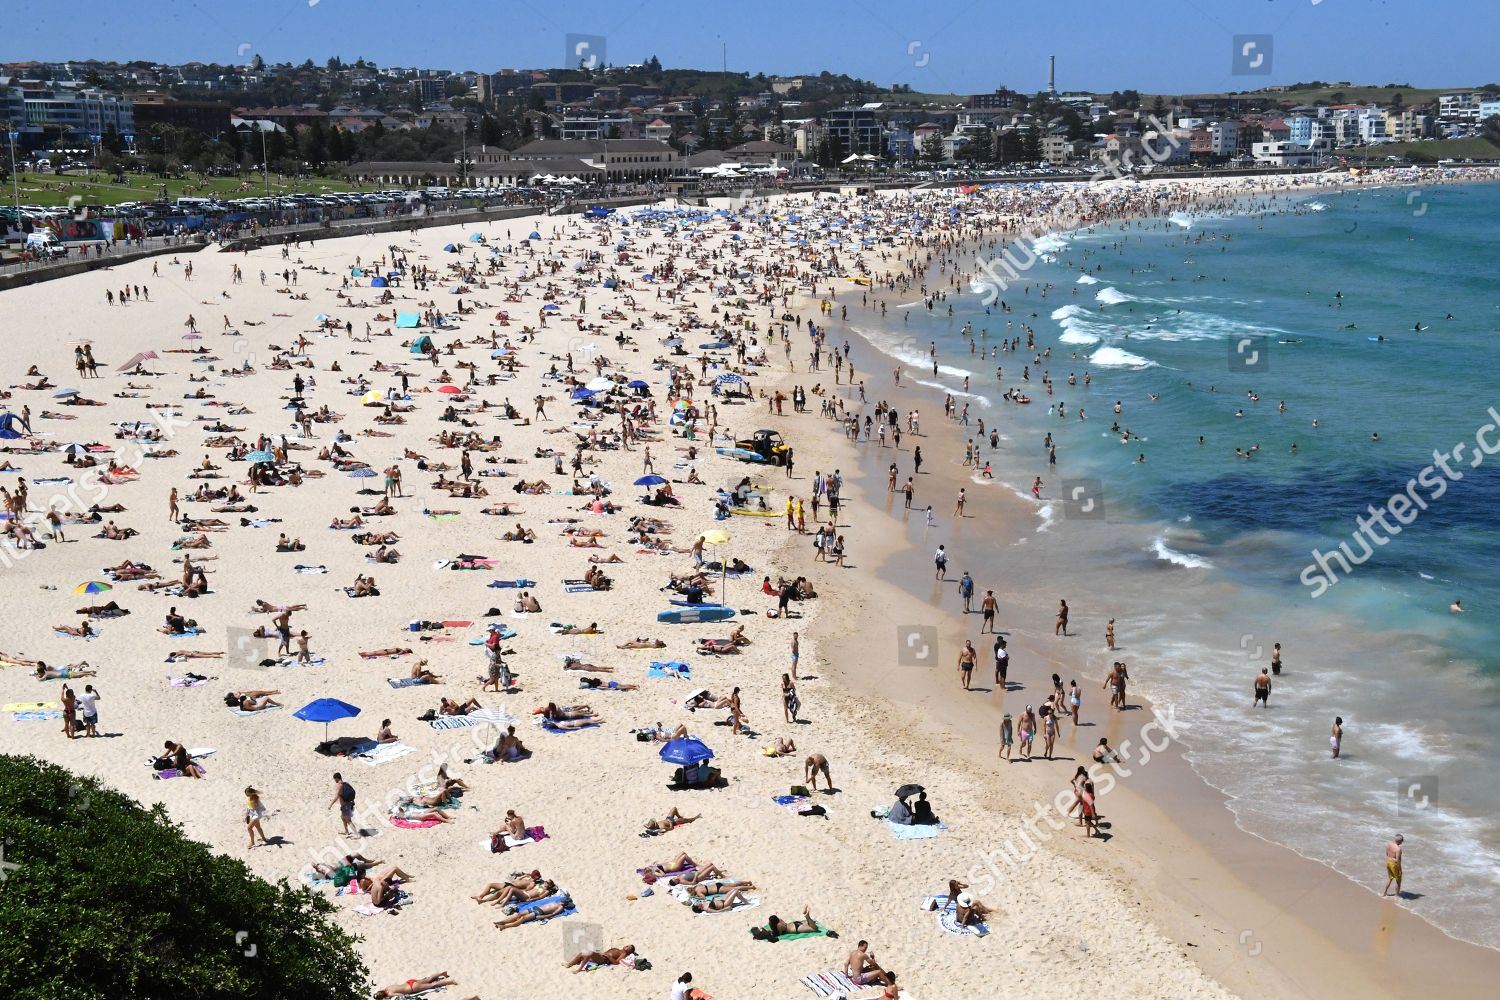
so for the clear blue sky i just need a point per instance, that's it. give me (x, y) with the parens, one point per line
(963, 46)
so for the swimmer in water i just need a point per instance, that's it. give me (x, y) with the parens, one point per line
(1457, 607)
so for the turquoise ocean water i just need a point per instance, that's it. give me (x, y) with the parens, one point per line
(1210, 557)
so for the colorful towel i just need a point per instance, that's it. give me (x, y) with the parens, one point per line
(830, 984)
(404, 682)
(680, 671)
(948, 917)
(40, 715)
(87, 638)
(28, 706)
(171, 773)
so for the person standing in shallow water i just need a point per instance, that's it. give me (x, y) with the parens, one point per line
(1062, 619)
(1336, 735)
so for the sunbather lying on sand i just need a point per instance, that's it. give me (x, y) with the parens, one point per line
(670, 821)
(777, 928)
(718, 904)
(642, 644)
(544, 912)
(251, 701)
(435, 981)
(501, 893)
(610, 956)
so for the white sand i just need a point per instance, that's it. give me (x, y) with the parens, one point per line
(1065, 923)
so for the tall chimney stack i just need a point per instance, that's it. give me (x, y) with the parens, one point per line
(1052, 74)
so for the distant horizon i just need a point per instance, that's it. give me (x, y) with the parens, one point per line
(1171, 47)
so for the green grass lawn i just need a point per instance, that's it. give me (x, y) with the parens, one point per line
(99, 189)
(1427, 152)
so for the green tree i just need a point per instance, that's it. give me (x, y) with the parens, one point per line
(932, 148)
(1031, 145)
(106, 898)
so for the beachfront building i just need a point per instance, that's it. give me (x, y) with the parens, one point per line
(593, 125)
(1059, 149)
(616, 159)
(857, 130)
(1459, 107)
(1224, 139)
(1410, 124)
(1283, 153)
(78, 114)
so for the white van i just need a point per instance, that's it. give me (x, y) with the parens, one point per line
(45, 243)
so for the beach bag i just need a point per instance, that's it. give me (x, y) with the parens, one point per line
(497, 843)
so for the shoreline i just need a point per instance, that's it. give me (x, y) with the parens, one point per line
(1103, 912)
(1180, 815)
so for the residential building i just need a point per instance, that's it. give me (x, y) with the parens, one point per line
(1283, 153)
(857, 130)
(206, 117)
(1059, 149)
(80, 114)
(899, 144)
(658, 130)
(807, 136)
(1458, 107)
(1224, 139)
(1002, 99)
(785, 84)
(1488, 108)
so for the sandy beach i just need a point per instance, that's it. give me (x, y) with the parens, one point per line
(512, 322)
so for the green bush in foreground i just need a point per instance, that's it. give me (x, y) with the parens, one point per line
(102, 898)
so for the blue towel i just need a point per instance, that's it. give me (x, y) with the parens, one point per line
(403, 682)
(512, 584)
(904, 832)
(683, 671)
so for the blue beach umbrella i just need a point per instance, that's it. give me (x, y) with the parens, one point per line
(581, 394)
(637, 383)
(363, 474)
(685, 751)
(651, 480)
(326, 710)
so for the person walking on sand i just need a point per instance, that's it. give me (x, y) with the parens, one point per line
(1062, 619)
(1393, 869)
(987, 608)
(966, 591)
(795, 654)
(173, 514)
(1109, 635)
(958, 507)
(343, 795)
(255, 811)
(940, 561)
(967, 657)
(1007, 738)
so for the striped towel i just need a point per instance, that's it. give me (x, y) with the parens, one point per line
(404, 682)
(830, 984)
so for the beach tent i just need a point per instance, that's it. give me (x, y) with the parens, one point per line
(407, 321)
(422, 345)
(534, 235)
(10, 426)
(378, 283)
(356, 272)
(449, 248)
(475, 237)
